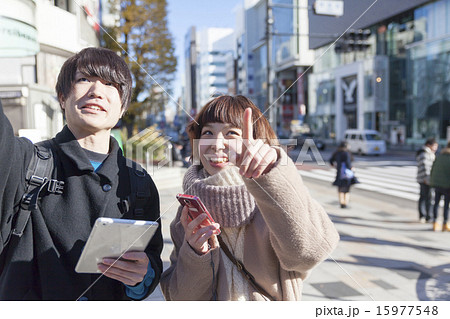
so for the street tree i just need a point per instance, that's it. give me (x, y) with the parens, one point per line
(141, 35)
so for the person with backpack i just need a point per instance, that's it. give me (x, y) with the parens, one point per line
(345, 176)
(425, 158)
(52, 193)
(440, 181)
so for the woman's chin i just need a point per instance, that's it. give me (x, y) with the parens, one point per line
(214, 168)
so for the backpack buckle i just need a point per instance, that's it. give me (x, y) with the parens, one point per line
(55, 186)
(36, 180)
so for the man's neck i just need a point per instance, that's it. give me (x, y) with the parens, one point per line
(97, 142)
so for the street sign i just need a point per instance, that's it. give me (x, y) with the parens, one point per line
(17, 39)
(329, 7)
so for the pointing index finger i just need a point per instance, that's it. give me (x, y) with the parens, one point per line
(247, 130)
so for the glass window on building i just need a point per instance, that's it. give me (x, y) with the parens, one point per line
(429, 101)
(400, 32)
(260, 75)
(285, 2)
(432, 20)
(284, 39)
(368, 85)
(368, 120)
(325, 92)
(63, 4)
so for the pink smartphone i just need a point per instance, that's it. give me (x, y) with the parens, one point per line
(196, 207)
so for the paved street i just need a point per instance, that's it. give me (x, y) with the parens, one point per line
(384, 253)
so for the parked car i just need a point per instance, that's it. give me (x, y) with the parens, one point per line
(365, 142)
(310, 139)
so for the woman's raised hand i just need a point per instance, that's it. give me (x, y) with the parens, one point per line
(257, 157)
(199, 237)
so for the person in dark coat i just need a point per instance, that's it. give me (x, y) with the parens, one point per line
(440, 181)
(94, 90)
(342, 160)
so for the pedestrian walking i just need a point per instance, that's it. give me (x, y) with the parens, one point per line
(270, 226)
(186, 149)
(90, 178)
(440, 182)
(341, 159)
(425, 158)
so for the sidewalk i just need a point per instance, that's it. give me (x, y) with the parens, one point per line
(168, 180)
(384, 254)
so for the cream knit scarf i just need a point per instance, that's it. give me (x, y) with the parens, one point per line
(224, 195)
(231, 205)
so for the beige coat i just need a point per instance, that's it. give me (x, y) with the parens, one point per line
(289, 234)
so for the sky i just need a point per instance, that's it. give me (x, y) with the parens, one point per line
(182, 14)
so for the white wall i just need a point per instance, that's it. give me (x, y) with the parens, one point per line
(23, 10)
(56, 27)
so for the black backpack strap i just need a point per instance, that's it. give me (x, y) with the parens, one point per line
(140, 191)
(38, 179)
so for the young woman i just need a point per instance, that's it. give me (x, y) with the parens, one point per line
(268, 220)
(342, 160)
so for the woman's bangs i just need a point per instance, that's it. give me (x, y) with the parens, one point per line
(223, 112)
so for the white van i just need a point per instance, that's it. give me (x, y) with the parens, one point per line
(365, 142)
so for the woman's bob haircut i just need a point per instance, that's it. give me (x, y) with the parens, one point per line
(230, 109)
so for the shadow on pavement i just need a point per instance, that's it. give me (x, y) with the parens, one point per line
(433, 284)
(342, 220)
(377, 241)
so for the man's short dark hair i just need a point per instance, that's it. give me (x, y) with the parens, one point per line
(430, 141)
(97, 62)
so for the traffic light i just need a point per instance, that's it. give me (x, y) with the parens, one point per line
(353, 40)
(361, 40)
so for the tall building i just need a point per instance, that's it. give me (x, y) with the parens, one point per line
(216, 45)
(190, 58)
(396, 81)
(36, 37)
(275, 53)
(206, 54)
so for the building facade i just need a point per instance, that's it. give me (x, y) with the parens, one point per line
(398, 83)
(216, 46)
(36, 37)
(190, 58)
(277, 54)
(209, 69)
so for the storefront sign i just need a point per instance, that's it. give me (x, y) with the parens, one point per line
(329, 7)
(349, 90)
(17, 39)
(10, 94)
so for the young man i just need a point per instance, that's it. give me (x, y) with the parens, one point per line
(94, 90)
(425, 158)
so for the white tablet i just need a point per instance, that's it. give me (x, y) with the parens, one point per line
(111, 237)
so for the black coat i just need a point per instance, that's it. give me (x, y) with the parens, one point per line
(40, 265)
(338, 158)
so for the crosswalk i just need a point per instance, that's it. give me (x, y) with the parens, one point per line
(393, 180)
(398, 181)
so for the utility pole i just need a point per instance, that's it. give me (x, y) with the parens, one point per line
(270, 110)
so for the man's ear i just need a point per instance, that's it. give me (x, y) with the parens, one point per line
(62, 102)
